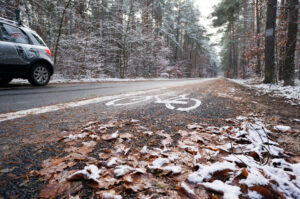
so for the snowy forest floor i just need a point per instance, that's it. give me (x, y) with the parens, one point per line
(237, 144)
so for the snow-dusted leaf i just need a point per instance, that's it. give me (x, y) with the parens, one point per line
(112, 162)
(127, 136)
(109, 195)
(148, 133)
(187, 190)
(282, 128)
(144, 150)
(122, 170)
(90, 172)
(194, 126)
(112, 136)
(137, 181)
(107, 182)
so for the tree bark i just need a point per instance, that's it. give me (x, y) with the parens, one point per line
(289, 70)
(282, 36)
(244, 59)
(270, 76)
(60, 29)
(258, 16)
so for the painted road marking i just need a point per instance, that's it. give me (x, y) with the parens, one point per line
(170, 102)
(57, 107)
(52, 108)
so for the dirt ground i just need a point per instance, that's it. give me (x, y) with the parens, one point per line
(36, 156)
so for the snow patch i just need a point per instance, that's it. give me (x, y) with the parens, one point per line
(282, 128)
(229, 191)
(290, 93)
(90, 172)
(206, 171)
(122, 170)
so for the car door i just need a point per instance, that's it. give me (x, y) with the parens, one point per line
(13, 49)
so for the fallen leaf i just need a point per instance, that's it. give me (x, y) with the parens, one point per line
(137, 182)
(109, 195)
(57, 161)
(7, 170)
(112, 136)
(186, 190)
(54, 190)
(126, 136)
(266, 193)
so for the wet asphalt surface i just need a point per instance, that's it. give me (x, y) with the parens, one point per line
(16, 97)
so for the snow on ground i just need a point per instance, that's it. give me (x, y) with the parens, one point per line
(290, 93)
(60, 79)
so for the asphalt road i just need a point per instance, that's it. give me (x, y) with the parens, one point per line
(22, 97)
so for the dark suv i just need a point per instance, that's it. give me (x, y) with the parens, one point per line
(23, 54)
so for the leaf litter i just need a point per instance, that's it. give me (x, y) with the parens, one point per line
(239, 160)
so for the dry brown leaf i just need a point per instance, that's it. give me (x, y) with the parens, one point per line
(109, 195)
(254, 155)
(244, 173)
(213, 149)
(266, 193)
(107, 182)
(54, 190)
(222, 175)
(34, 173)
(126, 136)
(109, 137)
(76, 157)
(137, 182)
(104, 156)
(186, 190)
(57, 161)
(295, 159)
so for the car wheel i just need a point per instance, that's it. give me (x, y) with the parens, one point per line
(5, 80)
(39, 75)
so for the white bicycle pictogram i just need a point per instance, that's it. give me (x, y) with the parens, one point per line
(170, 103)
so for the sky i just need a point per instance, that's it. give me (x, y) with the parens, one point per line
(206, 8)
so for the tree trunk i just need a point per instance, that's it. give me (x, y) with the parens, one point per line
(270, 76)
(258, 16)
(145, 17)
(177, 34)
(244, 59)
(289, 70)
(60, 29)
(234, 54)
(282, 32)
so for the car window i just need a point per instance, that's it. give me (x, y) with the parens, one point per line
(1, 39)
(38, 39)
(13, 34)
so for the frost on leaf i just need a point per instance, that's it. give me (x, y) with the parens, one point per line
(90, 172)
(137, 181)
(109, 195)
(282, 128)
(122, 170)
(228, 191)
(112, 136)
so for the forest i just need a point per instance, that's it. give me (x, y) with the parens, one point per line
(154, 38)
(260, 39)
(120, 38)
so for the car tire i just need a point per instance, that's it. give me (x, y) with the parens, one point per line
(39, 75)
(5, 80)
